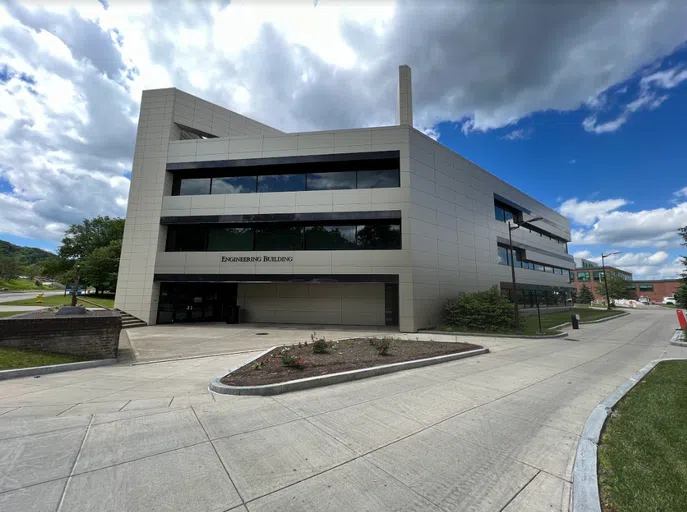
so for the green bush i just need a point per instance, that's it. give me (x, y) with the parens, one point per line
(480, 311)
(320, 346)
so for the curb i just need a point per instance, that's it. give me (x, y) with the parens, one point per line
(335, 378)
(585, 492)
(608, 319)
(485, 334)
(675, 340)
(54, 368)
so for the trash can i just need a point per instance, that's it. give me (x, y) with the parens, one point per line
(575, 321)
(233, 316)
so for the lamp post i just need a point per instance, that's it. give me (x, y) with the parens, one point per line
(603, 266)
(76, 284)
(512, 226)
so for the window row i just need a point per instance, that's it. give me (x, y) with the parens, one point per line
(520, 262)
(597, 275)
(505, 213)
(284, 237)
(337, 180)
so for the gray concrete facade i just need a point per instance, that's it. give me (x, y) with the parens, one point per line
(446, 205)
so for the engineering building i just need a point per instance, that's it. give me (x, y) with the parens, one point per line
(373, 226)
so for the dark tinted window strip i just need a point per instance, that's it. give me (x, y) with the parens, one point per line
(284, 217)
(365, 235)
(520, 262)
(285, 160)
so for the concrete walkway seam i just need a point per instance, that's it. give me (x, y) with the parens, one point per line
(585, 495)
(54, 368)
(334, 378)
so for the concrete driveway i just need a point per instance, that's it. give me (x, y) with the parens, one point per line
(162, 342)
(492, 433)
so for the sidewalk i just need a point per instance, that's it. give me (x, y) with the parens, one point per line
(492, 433)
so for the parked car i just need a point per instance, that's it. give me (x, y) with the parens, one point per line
(669, 300)
(644, 300)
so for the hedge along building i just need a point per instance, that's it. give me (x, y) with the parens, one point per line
(373, 226)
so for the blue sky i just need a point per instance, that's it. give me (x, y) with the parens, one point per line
(579, 104)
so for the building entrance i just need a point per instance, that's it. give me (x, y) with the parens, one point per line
(195, 302)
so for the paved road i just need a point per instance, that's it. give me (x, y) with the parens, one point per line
(491, 433)
(9, 297)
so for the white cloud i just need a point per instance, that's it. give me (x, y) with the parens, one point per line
(642, 265)
(520, 134)
(582, 254)
(588, 212)
(591, 124)
(646, 228)
(649, 98)
(78, 70)
(681, 193)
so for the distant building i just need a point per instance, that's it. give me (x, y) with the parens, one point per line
(589, 273)
(654, 289)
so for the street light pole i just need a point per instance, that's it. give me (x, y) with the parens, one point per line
(512, 227)
(603, 266)
(512, 273)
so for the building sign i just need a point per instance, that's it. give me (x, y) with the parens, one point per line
(257, 259)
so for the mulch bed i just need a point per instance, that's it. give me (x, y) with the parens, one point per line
(352, 354)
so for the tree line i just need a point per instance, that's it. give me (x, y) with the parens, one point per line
(94, 244)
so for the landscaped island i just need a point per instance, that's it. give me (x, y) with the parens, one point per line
(643, 453)
(319, 357)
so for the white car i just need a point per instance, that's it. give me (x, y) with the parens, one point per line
(644, 300)
(669, 300)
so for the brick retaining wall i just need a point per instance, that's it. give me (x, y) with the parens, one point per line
(91, 336)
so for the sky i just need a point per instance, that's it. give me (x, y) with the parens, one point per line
(580, 104)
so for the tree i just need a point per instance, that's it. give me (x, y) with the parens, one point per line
(101, 266)
(95, 244)
(9, 268)
(80, 240)
(585, 296)
(681, 293)
(54, 268)
(617, 288)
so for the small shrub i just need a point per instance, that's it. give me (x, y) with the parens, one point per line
(480, 311)
(259, 364)
(319, 345)
(382, 346)
(288, 360)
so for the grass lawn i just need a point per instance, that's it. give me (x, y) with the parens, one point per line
(4, 314)
(530, 324)
(11, 358)
(21, 285)
(643, 453)
(60, 300)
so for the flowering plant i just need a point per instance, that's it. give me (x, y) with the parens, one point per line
(259, 364)
(289, 360)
